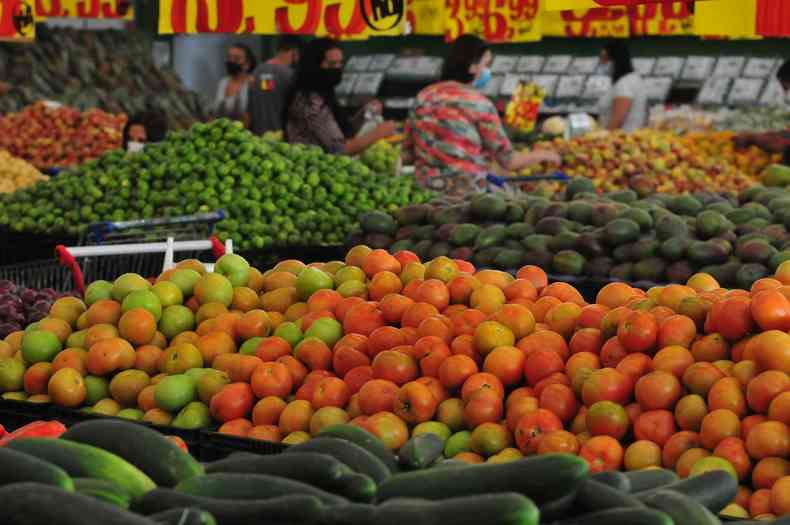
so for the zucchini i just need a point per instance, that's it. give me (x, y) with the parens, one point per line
(557, 509)
(86, 461)
(286, 509)
(352, 455)
(320, 470)
(714, 489)
(421, 451)
(449, 463)
(594, 495)
(103, 490)
(359, 487)
(541, 478)
(621, 517)
(16, 467)
(363, 438)
(613, 478)
(183, 516)
(143, 447)
(681, 508)
(228, 485)
(649, 479)
(39, 504)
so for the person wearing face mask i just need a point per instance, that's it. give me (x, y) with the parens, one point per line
(312, 113)
(233, 91)
(142, 129)
(454, 133)
(270, 85)
(624, 106)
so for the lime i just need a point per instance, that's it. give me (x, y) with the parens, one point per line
(185, 279)
(98, 290)
(311, 280)
(11, 374)
(38, 346)
(290, 332)
(250, 345)
(457, 443)
(143, 299)
(326, 329)
(126, 284)
(168, 293)
(433, 427)
(97, 388)
(174, 392)
(176, 319)
(193, 416)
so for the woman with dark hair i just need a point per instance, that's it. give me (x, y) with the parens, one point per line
(454, 132)
(624, 106)
(233, 90)
(312, 113)
(142, 129)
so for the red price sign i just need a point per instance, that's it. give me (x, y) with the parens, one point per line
(17, 21)
(666, 18)
(110, 9)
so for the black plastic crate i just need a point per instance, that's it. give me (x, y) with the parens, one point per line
(216, 446)
(16, 414)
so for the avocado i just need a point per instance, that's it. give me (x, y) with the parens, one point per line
(580, 211)
(455, 214)
(514, 213)
(624, 196)
(401, 245)
(568, 262)
(535, 211)
(553, 225)
(640, 216)
(424, 233)
(589, 244)
(765, 196)
(422, 248)
(508, 259)
(670, 226)
(723, 207)
(777, 259)
(405, 232)
(749, 193)
(650, 269)
(674, 248)
(538, 258)
(563, 241)
(755, 251)
(709, 224)
(519, 230)
(491, 236)
(443, 232)
(779, 203)
(378, 240)
(578, 185)
(413, 214)
(758, 210)
(439, 249)
(679, 272)
(485, 258)
(621, 231)
(464, 253)
(749, 273)
(378, 222)
(685, 205)
(464, 234)
(776, 175)
(488, 207)
(645, 248)
(622, 271)
(777, 233)
(624, 252)
(603, 213)
(759, 222)
(598, 267)
(741, 215)
(537, 242)
(556, 209)
(706, 252)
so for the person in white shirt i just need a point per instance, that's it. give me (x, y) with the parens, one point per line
(624, 106)
(233, 90)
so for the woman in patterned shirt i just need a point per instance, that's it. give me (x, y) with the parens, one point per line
(313, 115)
(454, 133)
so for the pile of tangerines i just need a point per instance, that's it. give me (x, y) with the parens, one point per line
(686, 377)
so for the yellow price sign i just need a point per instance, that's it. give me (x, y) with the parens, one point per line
(107, 9)
(17, 20)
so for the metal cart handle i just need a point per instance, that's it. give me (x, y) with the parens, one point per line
(100, 229)
(501, 181)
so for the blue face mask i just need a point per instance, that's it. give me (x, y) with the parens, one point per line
(482, 81)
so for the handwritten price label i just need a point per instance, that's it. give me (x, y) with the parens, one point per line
(664, 19)
(17, 22)
(562, 5)
(493, 20)
(599, 22)
(108, 9)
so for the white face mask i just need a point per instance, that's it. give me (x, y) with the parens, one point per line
(134, 147)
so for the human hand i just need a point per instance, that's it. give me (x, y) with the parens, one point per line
(386, 129)
(547, 155)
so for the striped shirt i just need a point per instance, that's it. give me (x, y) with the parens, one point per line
(453, 135)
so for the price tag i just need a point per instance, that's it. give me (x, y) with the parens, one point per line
(494, 86)
(584, 65)
(530, 64)
(698, 68)
(504, 64)
(745, 90)
(399, 103)
(729, 66)
(657, 88)
(596, 87)
(570, 86)
(510, 83)
(547, 82)
(557, 64)
(381, 62)
(760, 67)
(403, 67)
(359, 63)
(368, 83)
(644, 66)
(714, 91)
(669, 67)
(346, 85)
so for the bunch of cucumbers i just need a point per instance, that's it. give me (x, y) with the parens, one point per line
(114, 472)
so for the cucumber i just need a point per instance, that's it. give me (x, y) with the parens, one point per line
(649, 479)
(541, 478)
(621, 517)
(320, 470)
(557, 509)
(352, 455)
(714, 489)
(39, 504)
(594, 495)
(103, 490)
(681, 508)
(16, 467)
(350, 514)
(506, 508)
(145, 448)
(228, 485)
(449, 463)
(359, 487)
(286, 509)
(183, 516)
(421, 451)
(86, 461)
(364, 439)
(613, 478)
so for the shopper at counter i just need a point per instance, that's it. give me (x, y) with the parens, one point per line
(270, 85)
(313, 114)
(624, 106)
(454, 133)
(232, 96)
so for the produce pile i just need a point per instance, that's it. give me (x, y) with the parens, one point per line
(111, 70)
(692, 378)
(753, 119)
(58, 137)
(661, 238)
(15, 173)
(20, 307)
(274, 194)
(382, 158)
(649, 161)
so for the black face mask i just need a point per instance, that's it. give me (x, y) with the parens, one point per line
(233, 68)
(333, 76)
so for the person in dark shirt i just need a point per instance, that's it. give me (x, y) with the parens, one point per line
(270, 85)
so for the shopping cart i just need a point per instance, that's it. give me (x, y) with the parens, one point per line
(107, 250)
(513, 185)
